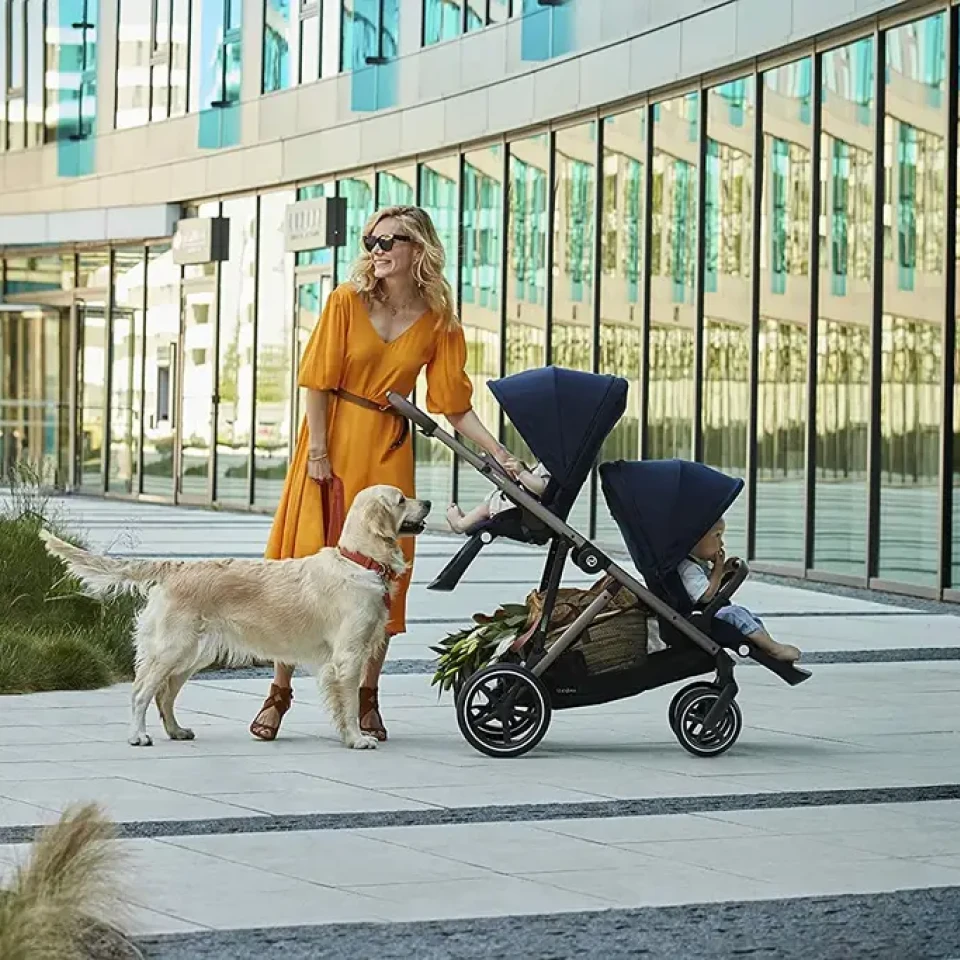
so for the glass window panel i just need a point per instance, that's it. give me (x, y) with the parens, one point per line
(34, 274)
(160, 91)
(846, 297)
(574, 196)
(91, 378)
(311, 299)
(621, 264)
(911, 344)
(358, 192)
(129, 277)
(160, 347)
(179, 57)
(476, 15)
(481, 237)
(16, 75)
(784, 313)
(330, 38)
(526, 264)
(281, 33)
(673, 248)
(4, 15)
(235, 387)
(442, 20)
(196, 387)
(275, 315)
(133, 64)
(499, 10)
(397, 187)
(35, 73)
(439, 193)
(323, 256)
(309, 49)
(93, 269)
(728, 269)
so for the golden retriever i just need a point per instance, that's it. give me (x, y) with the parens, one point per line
(327, 612)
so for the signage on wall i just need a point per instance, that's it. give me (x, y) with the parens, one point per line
(201, 240)
(315, 224)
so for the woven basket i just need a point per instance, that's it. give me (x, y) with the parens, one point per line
(614, 641)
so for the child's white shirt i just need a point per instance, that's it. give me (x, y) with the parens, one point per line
(499, 501)
(696, 580)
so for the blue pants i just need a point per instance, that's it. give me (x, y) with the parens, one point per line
(741, 618)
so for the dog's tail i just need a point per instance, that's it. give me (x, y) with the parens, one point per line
(109, 576)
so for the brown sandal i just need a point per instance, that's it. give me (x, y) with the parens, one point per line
(280, 699)
(370, 703)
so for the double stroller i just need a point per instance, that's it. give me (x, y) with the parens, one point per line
(662, 509)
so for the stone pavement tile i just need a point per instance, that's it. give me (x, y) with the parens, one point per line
(650, 829)
(336, 858)
(508, 848)
(40, 770)
(760, 858)
(14, 813)
(124, 800)
(213, 892)
(510, 792)
(881, 818)
(658, 885)
(488, 897)
(840, 876)
(139, 921)
(923, 840)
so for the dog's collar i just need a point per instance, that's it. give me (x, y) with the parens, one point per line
(368, 563)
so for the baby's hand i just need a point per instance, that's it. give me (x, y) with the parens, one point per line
(514, 467)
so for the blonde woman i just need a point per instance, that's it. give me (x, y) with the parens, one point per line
(395, 316)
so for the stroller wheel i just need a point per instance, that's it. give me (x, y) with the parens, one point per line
(675, 702)
(692, 710)
(503, 710)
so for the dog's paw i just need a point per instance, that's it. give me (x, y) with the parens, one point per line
(140, 740)
(181, 733)
(363, 742)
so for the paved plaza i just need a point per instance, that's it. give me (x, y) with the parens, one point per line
(830, 830)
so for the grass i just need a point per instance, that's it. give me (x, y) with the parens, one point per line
(50, 907)
(52, 637)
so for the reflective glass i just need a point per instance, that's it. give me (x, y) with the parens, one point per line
(275, 316)
(480, 241)
(784, 313)
(621, 293)
(528, 197)
(911, 391)
(439, 197)
(844, 313)
(126, 381)
(159, 370)
(235, 387)
(727, 289)
(673, 249)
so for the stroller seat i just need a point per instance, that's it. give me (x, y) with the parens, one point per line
(565, 416)
(663, 508)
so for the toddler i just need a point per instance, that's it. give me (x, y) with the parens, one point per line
(702, 574)
(535, 481)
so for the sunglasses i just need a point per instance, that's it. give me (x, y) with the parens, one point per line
(385, 241)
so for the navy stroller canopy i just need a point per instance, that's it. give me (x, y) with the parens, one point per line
(664, 507)
(563, 415)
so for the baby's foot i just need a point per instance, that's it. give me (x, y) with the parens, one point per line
(455, 518)
(779, 651)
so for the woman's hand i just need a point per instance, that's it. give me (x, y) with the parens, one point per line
(318, 467)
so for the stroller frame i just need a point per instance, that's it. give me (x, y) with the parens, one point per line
(714, 719)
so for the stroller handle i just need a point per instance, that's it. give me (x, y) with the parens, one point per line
(426, 423)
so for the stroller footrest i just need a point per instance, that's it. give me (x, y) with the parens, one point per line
(450, 575)
(787, 671)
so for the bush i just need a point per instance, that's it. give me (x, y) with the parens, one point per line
(52, 637)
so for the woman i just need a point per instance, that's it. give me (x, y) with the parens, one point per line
(395, 316)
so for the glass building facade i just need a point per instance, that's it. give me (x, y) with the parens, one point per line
(770, 260)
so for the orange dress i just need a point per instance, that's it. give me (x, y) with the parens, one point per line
(346, 352)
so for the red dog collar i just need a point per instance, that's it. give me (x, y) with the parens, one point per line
(368, 563)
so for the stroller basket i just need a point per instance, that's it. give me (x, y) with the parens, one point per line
(613, 642)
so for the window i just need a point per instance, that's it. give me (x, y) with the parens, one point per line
(22, 63)
(446, 19)
(301, 42)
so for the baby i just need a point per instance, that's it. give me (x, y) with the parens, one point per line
(534, 480)
(702, 574)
